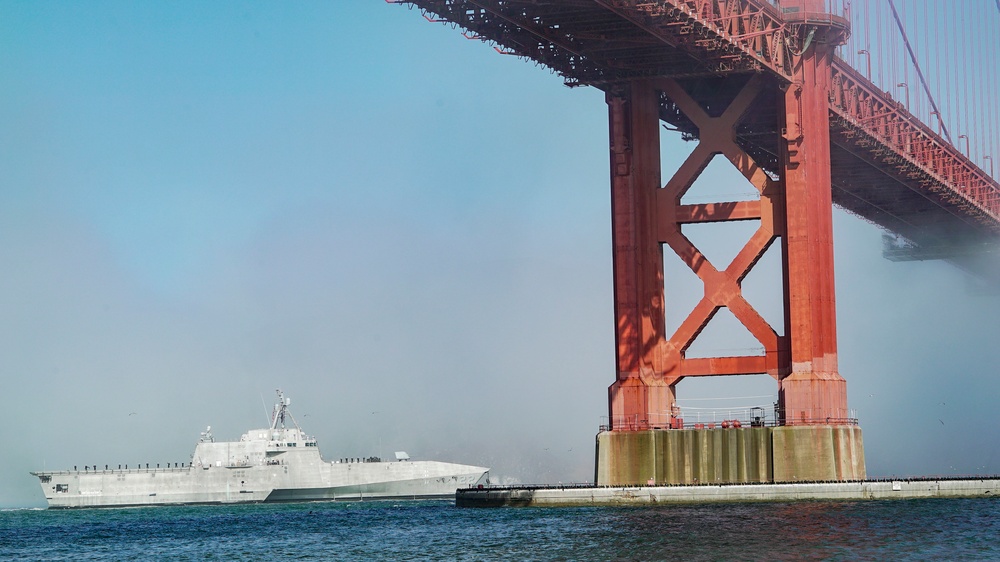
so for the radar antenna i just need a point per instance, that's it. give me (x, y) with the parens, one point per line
(281, 411)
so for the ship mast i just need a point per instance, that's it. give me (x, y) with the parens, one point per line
(280, 411)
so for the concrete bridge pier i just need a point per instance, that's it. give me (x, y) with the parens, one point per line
(656, 457)
(816, 437)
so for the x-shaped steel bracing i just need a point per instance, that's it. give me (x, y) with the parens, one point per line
(717, 136)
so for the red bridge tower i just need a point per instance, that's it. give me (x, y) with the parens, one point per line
(815, 437)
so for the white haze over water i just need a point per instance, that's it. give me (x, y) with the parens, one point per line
(405, 231)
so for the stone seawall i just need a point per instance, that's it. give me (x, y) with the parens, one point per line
(563, 496)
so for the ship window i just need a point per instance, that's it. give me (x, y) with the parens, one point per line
(45, 478)
(62, 488)
(291, 444)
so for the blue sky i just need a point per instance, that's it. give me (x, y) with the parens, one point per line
(404, 230)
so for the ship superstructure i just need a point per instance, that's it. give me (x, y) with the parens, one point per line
(277, 463)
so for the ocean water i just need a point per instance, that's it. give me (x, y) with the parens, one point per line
(950, 529)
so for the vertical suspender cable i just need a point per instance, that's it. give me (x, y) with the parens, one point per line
(913, 58)
(881, 48)
(995, 89)
(989, 70)
(970, 78)
(938, 50)
(956, 61)
(985, 50)
(979, 73)
(992, 27)
(918, 99)
(951, 70)
(944, 84)
(963, 81)
(906, 64)
(973, 84)
(930, 56)
(884, 54)
(887, 38)
(984, 96)
(868, 31)
(920, 49)
(895, 67)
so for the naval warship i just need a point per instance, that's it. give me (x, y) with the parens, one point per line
(275, 464)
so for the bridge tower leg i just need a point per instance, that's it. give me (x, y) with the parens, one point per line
(814, 391)
(646, 442)
(642, 396)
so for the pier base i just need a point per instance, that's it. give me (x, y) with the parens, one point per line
(591, 496)
(730, 456)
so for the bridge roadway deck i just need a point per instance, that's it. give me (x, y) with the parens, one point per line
(573, 496)
(887, 167)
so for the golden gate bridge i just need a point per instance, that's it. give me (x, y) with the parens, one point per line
(886, 108)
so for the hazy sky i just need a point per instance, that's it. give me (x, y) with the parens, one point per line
(405, 231)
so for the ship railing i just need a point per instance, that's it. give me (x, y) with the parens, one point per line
(704, 418)
(181, 467)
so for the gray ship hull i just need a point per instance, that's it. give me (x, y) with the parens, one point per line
(221, 485)
(274, 464)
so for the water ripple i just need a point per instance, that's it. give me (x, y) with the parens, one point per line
(951, 529)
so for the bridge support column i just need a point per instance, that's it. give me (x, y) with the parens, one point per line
(646, 441)
(641, 397)
(813, 392)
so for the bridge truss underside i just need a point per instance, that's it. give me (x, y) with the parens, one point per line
(887, 167)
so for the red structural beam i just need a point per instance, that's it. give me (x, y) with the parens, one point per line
(607, 42)
(919, 153)
(726, 35)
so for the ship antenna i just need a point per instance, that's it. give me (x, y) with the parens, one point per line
(291, 417)
(278, 413)
(264, 404)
